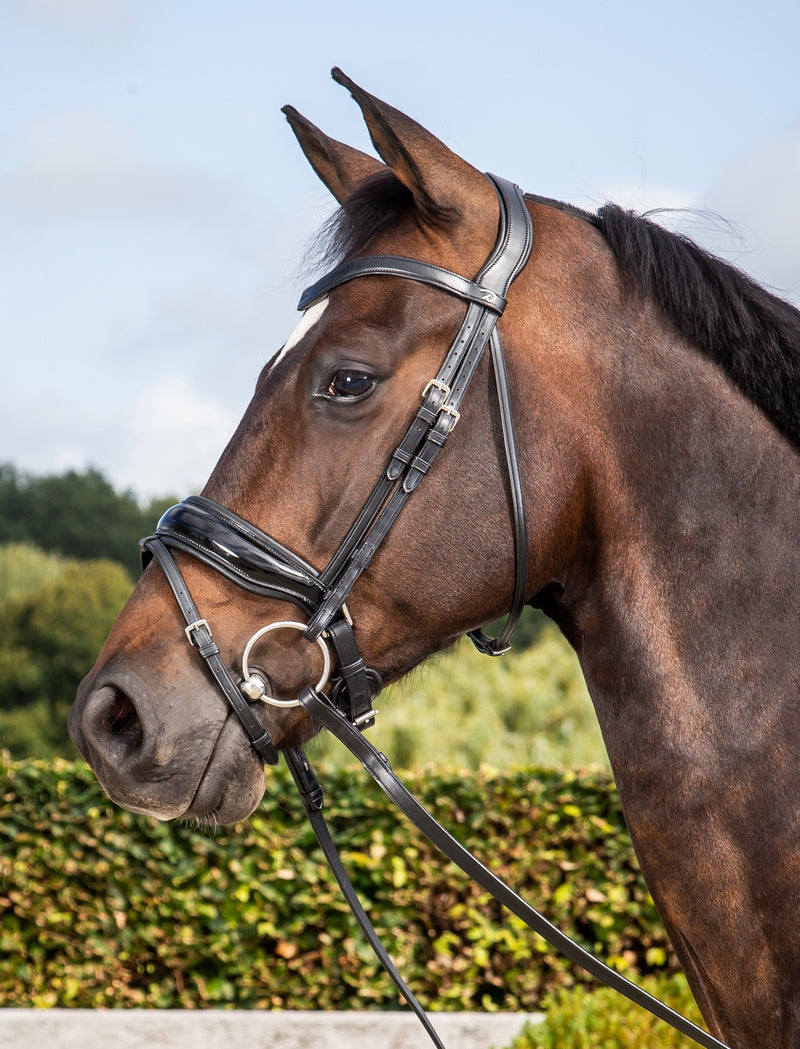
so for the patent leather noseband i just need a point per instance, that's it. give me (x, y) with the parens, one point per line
(260, 564)
(241, 552)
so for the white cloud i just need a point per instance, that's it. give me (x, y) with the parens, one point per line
(146, 270)
(760, 192)
(678, 210)
(172, 439)
(164, 441)
(641, 196)
(94, 23)
(70, 10)
(69, 160)
(750, 216)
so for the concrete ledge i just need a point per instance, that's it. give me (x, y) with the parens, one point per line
(221, 1029)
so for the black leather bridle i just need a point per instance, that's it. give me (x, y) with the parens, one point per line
(260, 564)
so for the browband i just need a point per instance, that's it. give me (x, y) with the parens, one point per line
(400, 266)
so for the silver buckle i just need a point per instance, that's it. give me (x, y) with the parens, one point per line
(436, 384)
(367, 716)
(189, 631)
(447, 409)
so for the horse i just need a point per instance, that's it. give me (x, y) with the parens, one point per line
(655, 395)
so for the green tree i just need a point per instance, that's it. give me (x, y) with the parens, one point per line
(78, 515)
(24, 568)
(49, 640)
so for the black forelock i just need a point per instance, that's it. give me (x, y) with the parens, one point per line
(374, 204)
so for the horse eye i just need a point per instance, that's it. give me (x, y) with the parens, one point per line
(346, 383)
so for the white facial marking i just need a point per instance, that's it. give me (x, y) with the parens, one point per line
(307, 322)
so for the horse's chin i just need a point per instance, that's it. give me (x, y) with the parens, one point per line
(227, 786)
(232, 783)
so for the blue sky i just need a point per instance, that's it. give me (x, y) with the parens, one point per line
(154, 207)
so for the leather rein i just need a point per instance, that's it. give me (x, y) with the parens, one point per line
(260, 564)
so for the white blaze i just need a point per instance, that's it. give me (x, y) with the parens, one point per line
(307, 322)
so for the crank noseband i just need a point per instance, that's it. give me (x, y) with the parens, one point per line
(256, 562)
(241, 552)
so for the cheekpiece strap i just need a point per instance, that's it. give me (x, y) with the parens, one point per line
(442, 397)
(199, 634)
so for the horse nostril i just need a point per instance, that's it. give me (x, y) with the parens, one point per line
(123, 720)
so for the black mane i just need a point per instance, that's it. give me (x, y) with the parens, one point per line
(753, 335)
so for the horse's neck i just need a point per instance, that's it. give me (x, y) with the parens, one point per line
(698, 578)
(689, 634)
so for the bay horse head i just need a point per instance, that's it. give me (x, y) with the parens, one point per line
(280, 554)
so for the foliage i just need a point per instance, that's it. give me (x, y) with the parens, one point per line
(32, 731)
(583, 1018)
(462, 708)
(49, 639)
(529, 708)
(78, 515)
(24, 568)
(102, 908)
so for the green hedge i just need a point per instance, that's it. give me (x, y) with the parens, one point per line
(600, 1019)
(102, 908)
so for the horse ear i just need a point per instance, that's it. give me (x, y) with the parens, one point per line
(445, 187)
(340, 167)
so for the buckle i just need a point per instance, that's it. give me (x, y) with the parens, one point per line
(436, 384)
(444, 407)
(487, 646)
(447, 409)
(190, 629)
(366, 719)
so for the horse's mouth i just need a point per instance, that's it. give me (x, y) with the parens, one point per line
(152, 760)
(221, 798)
